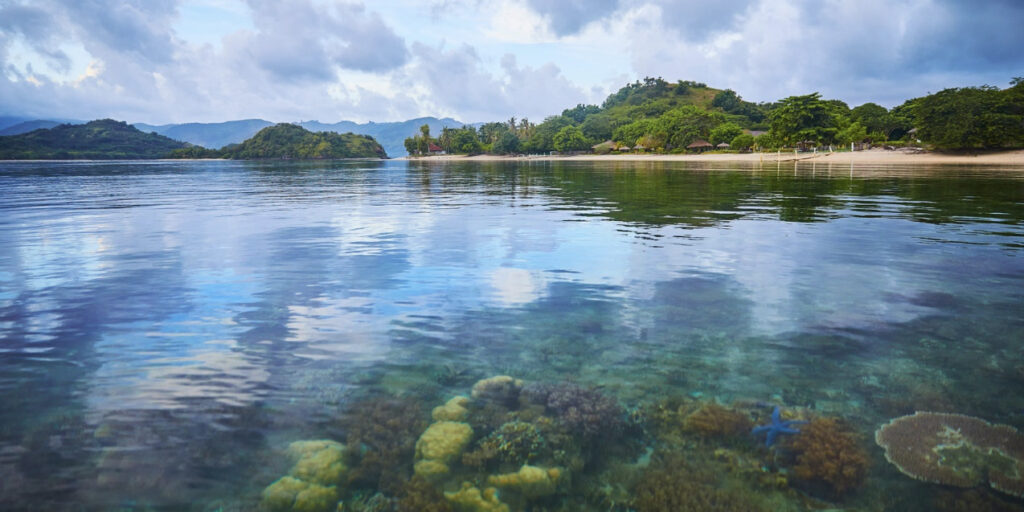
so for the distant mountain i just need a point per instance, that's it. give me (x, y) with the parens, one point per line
(7, 122)
(390, 135)
(104, 139)
(209, 135)
(27, 126)
(290, 141)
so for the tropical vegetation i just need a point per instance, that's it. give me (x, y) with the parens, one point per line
(661, 116)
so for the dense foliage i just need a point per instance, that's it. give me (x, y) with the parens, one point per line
(289, 141)
(657, 115)
(103, 139)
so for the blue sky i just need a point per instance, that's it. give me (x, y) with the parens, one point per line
(162, 61)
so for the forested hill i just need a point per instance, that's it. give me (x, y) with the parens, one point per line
(289, 141)
(104, 139)
(654, 115)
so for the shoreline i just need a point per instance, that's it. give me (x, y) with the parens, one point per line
(870, 156)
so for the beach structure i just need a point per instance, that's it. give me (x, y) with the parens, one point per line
(723, 145)
(700, 145)
(434, 149)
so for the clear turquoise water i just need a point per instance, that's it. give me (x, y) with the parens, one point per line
(167, 327)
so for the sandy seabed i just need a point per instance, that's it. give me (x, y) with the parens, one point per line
(872, 157)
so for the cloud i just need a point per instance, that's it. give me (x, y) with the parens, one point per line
(303, 40)
(457, 83)
(568, 17)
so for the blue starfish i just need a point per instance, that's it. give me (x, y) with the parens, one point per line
(776, 427)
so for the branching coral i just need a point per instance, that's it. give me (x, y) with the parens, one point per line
(515, 443)
(670, 485)
(829, 453)
(715, 421)
(586, 412)
(383, 432)
(419, 496)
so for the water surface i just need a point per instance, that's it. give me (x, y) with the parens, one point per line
(166, 328)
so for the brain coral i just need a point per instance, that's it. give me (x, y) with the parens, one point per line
(957, 450)
(321, 461)
(290, 494)
(530, 481)
(443, 441)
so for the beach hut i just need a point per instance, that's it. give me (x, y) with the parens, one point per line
(434, 149)
(624, 148)
(603, 148)
(700, 145)
(723, 145)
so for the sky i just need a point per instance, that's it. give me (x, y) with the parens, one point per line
(173, 61)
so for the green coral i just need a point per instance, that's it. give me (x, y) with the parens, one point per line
(513, 443)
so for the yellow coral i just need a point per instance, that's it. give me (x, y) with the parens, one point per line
(530, 481)
(432, 470)
(443, 441)
(470, 499)
(290, 494)
(321, 462)
(453, 410)
(499, 387)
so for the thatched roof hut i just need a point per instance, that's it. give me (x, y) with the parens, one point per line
(723, 145)
(700, 145)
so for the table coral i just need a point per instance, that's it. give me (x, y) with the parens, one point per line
(956, 450)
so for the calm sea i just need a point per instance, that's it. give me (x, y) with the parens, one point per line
(168, 328)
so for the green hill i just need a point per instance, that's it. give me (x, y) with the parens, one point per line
(104, 139)
(289, 141)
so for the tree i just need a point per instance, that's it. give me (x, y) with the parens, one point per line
(411, 146)
(464, 141)
(808, 117)
(855, 132)
(742, 141)
(580, 112)
(508, 143)
(874, 118)
(970, 118)
(724, 133)
(570, 138)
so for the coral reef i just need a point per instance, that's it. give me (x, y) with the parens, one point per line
(715, 421)
(584, 411)
(500, 389)
(321, 461)
(471, 499)
(972, 500)
(290, 494)
(954, 449)
(530, 481)
(443, 441)
(453, 410)
(382, 432)
(830, 454)
(515, 443)
(776, 427)
(419, 496)
(671, 485)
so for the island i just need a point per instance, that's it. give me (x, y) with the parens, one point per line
(107, 139)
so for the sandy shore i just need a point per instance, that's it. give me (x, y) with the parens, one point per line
(871, 157)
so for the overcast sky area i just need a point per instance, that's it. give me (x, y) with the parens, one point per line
(170, 61)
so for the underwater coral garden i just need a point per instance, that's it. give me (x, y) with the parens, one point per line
(509, 446)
